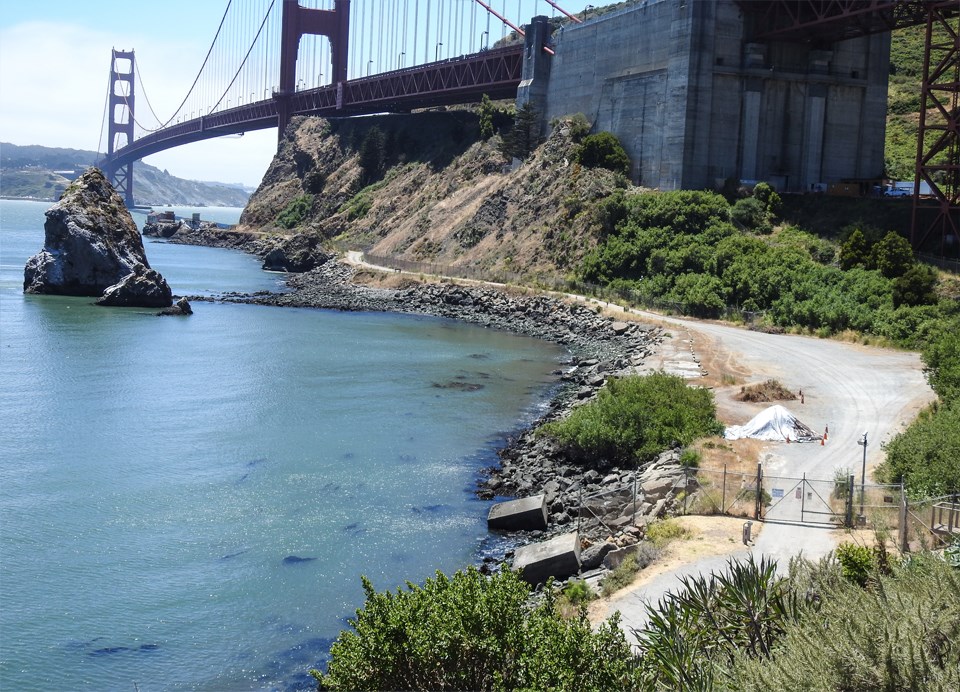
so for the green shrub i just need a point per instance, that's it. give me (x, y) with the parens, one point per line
(892, 256)
(577, 591)
(857, 563)
(295, 212)
(690, 458)
(926, 456)
(471, 632)
(751, 214)
(603, 150)
(941, 357)
(662, 532)
(635, 418)
(915, 287)
(621, 576)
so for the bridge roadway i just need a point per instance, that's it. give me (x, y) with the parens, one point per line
(495, 72)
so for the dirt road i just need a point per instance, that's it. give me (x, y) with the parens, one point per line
(850, 388)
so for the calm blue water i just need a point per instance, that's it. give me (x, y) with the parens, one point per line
(156, 473)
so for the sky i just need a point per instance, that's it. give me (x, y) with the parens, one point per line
(55, 60)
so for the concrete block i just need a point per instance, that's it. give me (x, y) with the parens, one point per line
(559, 557)
(525, 514)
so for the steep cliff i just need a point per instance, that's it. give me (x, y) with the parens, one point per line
(426, 187)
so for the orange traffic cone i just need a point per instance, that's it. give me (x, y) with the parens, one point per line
(821, 441)
(826, 430)
(788, 439)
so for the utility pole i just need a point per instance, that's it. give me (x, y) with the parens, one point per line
(863, 475)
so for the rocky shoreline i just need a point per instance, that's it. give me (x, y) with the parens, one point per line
(610, 507)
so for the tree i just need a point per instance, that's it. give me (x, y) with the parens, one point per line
(892, 256)
(854, 251)
(915, 287)
(373, 153)
(486, 117)
(471, 632)
(524, 136)
(603, 150)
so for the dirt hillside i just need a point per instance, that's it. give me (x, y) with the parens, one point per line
(440, 193)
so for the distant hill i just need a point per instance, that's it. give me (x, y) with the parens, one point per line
(42, 173)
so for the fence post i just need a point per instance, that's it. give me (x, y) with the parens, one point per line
(904, 542)
(848, 520)
(723, 492)
(759, 502)
(686, 487)
(634, 498)
(803, 495)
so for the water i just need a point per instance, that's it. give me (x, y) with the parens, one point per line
(188, 503)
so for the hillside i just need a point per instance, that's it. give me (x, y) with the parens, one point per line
(438, 193)
(42, 173)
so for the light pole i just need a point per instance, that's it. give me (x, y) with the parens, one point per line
(863, 473)
(483, 42)
(400, 59)
(588, 7)
(436, 55)
(369, 65)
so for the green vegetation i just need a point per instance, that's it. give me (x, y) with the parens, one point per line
(635, 418)
(926, 456)
(603, 150)
(524, 136)
(471, 632)
(683, 250)
(373, 154)
(295, 212)
(662, 532)
(865, 621)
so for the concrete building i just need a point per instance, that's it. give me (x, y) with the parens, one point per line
(694, 101)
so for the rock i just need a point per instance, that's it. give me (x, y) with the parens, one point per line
(143, 288)
(559, 558)
(613, 558)
(592, 557)
(90, 243)
(181, 307)
(298, 253)
(619, 327)
(526, 514)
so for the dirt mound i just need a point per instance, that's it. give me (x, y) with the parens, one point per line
(771, 390)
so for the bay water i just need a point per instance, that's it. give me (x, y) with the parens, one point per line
(189, 503)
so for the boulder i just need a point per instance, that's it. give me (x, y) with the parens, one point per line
(525, 514)
(181, 307)
(559, 558)
(592, 557)
(143, 288)
(298, 253)
(91, 243)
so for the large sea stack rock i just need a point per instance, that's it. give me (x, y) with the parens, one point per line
(298, 253)
(91, 244)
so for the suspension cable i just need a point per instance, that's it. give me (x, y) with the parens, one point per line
(245, 57)
(106, 107)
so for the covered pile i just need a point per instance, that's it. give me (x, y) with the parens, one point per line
(775, 424)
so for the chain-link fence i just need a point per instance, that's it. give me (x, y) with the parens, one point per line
(721, 492)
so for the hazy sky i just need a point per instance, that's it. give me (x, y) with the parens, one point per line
(55, 60)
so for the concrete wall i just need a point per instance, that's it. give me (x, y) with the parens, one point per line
(693, 102)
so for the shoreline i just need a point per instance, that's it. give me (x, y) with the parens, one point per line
(599, 348)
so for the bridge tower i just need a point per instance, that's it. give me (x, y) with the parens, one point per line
(120, 121)
(297, 22)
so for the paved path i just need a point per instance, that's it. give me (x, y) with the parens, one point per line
(850, 388)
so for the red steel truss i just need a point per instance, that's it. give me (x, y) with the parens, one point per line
(938, 141)
(495, 73)
(828, 21)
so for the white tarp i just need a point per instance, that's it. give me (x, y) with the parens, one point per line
(774, 424)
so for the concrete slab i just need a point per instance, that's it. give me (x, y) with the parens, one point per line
(525, 514)
(559, 557)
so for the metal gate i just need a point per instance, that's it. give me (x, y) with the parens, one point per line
(806, 500)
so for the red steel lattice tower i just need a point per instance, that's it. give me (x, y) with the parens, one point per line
(938, 140)
(120, 121)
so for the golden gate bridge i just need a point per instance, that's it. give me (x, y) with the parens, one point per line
(271, 60)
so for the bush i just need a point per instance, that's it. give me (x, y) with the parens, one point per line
(635, 418)
(892, 256)
(926, 456)
(662, 532)
(942, 360)
(295, 212)
(470, 632)
(603, 150)
(751, 214)
(857, 563)
(915, 287)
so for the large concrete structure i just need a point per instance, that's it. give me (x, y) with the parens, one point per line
(694, 101)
